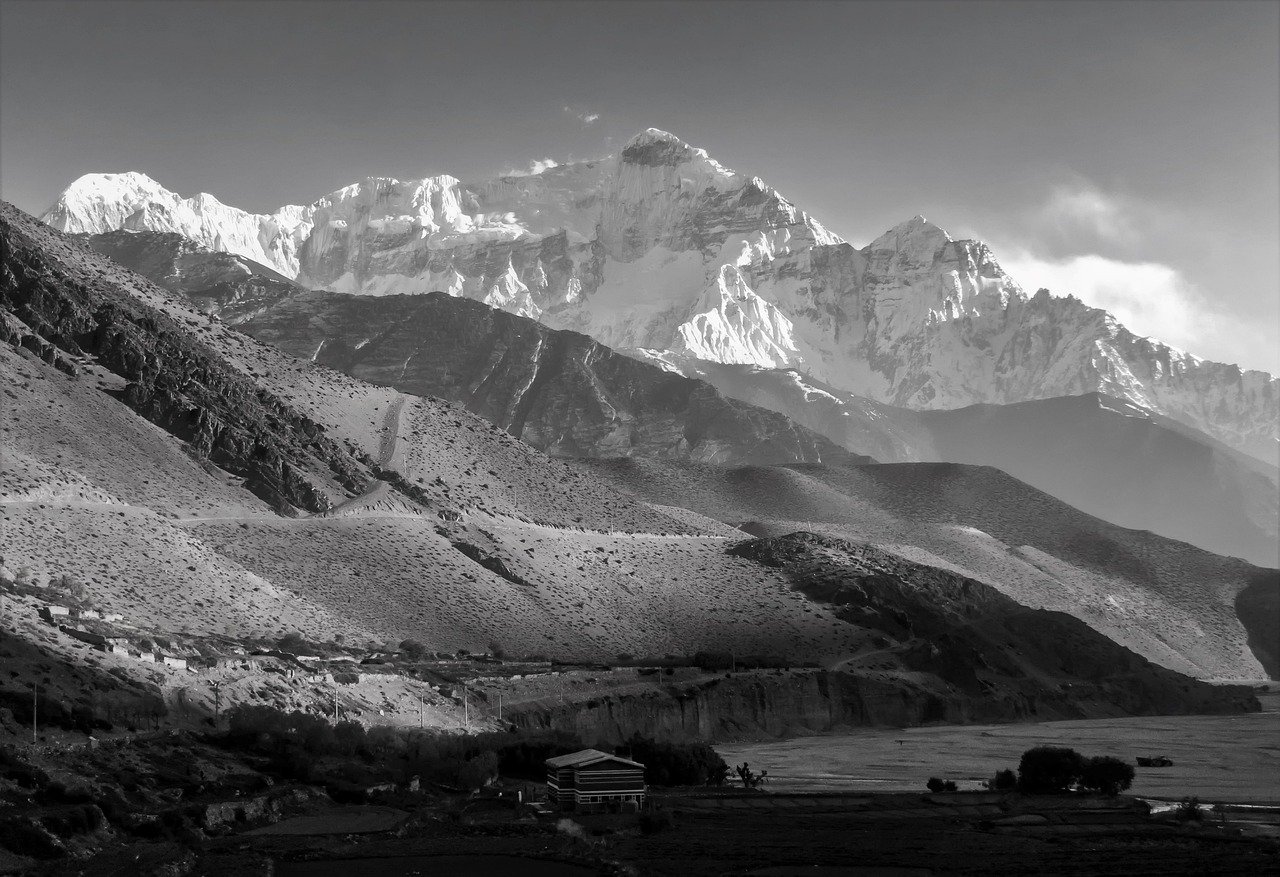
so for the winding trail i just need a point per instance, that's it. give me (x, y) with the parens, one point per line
(390, 431)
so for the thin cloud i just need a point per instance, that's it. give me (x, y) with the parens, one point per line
(1149, 299)
(586, 117)
(1081, 209)
(535, 167)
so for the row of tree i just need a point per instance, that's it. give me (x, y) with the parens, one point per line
(1052, 769)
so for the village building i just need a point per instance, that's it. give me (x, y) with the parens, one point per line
(595, 781)
(175, 663)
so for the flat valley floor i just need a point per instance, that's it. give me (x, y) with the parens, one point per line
(1234, 759)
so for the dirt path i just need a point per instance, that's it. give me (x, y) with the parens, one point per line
(390, 432)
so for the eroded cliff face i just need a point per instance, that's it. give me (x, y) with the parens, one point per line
(759, 705)
(664, 248)
(558, 391)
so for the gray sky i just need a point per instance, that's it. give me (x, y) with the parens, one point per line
(1123, 151)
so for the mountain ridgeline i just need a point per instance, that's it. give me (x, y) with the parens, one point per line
(663, 248)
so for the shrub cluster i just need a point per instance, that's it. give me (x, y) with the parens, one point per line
(1048, 769)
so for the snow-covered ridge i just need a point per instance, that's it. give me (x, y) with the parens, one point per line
(664, 248)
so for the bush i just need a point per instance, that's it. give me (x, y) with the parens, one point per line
(1003, 781)
(935, 785)
(1047, 769)
(1189, 810)
(1107, 774)
(412, 649)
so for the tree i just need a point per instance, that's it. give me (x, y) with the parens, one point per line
(935, 785)
(1047, 769)
(1107, 774)
(412, 649)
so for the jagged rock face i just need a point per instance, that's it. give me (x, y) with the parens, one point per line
(558, 391)
(61, 311)
(666, 249)
(231, 287)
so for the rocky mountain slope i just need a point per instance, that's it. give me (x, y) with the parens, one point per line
(938, 622)
(666, 249)
(213, 490)
(558, 391)
(1170, 602)
(220, 283)
(566, 395)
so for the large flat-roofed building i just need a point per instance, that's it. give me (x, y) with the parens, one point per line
(591, 780)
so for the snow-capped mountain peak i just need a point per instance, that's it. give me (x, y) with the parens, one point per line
(665, 248)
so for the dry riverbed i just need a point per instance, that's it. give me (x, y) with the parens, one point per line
(1217, 758)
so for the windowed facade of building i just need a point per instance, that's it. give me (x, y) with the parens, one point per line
(595, 781)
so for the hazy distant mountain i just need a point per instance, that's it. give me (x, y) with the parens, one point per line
(1104, 456)
(664, 248)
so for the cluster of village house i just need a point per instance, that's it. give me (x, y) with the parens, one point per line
(287, 665)
(584, 781)
(115, 645)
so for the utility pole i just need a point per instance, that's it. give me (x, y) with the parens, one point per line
(420, 720)
(35, 703)
(217, 703)
(499, 706)
(335, 706)
(466, 709)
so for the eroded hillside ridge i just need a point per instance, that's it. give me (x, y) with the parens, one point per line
(59, 308)
(664, 248)
(222, 284)
(558, 391)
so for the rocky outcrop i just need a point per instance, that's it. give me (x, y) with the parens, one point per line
(1258, 606)
(558, 391)
(664, 248)
(225, 285)
(172, 379)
